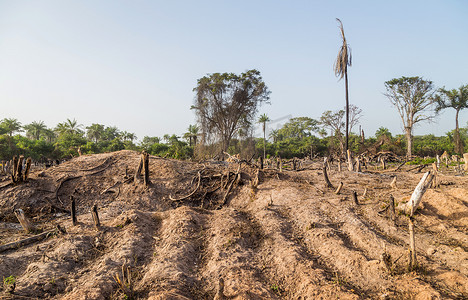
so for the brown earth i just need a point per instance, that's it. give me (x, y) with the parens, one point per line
(292, 238)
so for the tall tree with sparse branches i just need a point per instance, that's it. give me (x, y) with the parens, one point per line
(343, 60)
(458, 100)
(225, 103)
(413, 97)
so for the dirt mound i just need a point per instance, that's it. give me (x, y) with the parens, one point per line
(204, 231)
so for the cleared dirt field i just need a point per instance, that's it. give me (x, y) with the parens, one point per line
(291, 238)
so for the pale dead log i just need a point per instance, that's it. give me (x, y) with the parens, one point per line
(350, 161)
(325, 175)
(24, 221)
(28, 168)
(338, 190)
(24, 242)
(393, 183)
(411, 206)
(94, 212)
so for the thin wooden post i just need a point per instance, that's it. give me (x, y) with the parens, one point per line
(338, 190)
(94, 212)
(412, 262)
(392, 208)
(73, 211)
(355, 198)
(146, 169)
(24, 221)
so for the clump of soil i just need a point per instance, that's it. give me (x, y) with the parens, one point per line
(204, 230)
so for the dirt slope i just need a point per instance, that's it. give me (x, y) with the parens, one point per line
(292, 238)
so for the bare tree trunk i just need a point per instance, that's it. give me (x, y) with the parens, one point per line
(456, 136)
(350, 160)
(347, 107)
(409, 141)
(410, 207)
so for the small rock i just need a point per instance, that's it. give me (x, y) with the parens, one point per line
(431, 250)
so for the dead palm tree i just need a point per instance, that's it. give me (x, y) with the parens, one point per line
(343, 60)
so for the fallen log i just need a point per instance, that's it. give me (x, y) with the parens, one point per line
(27, 241)
(411, 206)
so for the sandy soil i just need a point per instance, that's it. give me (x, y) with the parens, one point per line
(289, 238)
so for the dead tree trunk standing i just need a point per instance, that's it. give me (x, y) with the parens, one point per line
(392, 208)
(24, 221)
(350, 161)
(338, 190)
(94, 212)
(412, 258)
(139, 168)
(146, 168)
(325, 175)
(19, 169)
(355, 198)
(294, 162)
(339, 165)
(393, 183)
(15, 165)
(73, 211)
(465, 157)
(28, 167)
(382, 160)
(358, 165)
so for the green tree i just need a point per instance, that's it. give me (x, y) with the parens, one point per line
(11, 126)
(35, 130)
(413, 97)
(69, 127)
(343, 60)
(192, 134)
(263, 119)
(226, 102)
(95, 132)
(458, 100)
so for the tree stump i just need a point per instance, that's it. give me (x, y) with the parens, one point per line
(350, 161)
(28, 168)
(465, 157)
(24, 221)
(94, 212)
(325, 175)
(338, 190)
(139, 168)
(355, 198)
(19, 169)
(146, 168)
(411, 206)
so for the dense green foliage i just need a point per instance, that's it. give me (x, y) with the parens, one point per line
(299, 137)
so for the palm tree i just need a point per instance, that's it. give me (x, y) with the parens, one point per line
(69, 126)
(192, 134)
(11, 126)
(343, 60)
(458, 100)
(95, 132)
(263, 119)
(35, 130)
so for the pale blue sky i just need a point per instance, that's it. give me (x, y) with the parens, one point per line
(133, 64)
